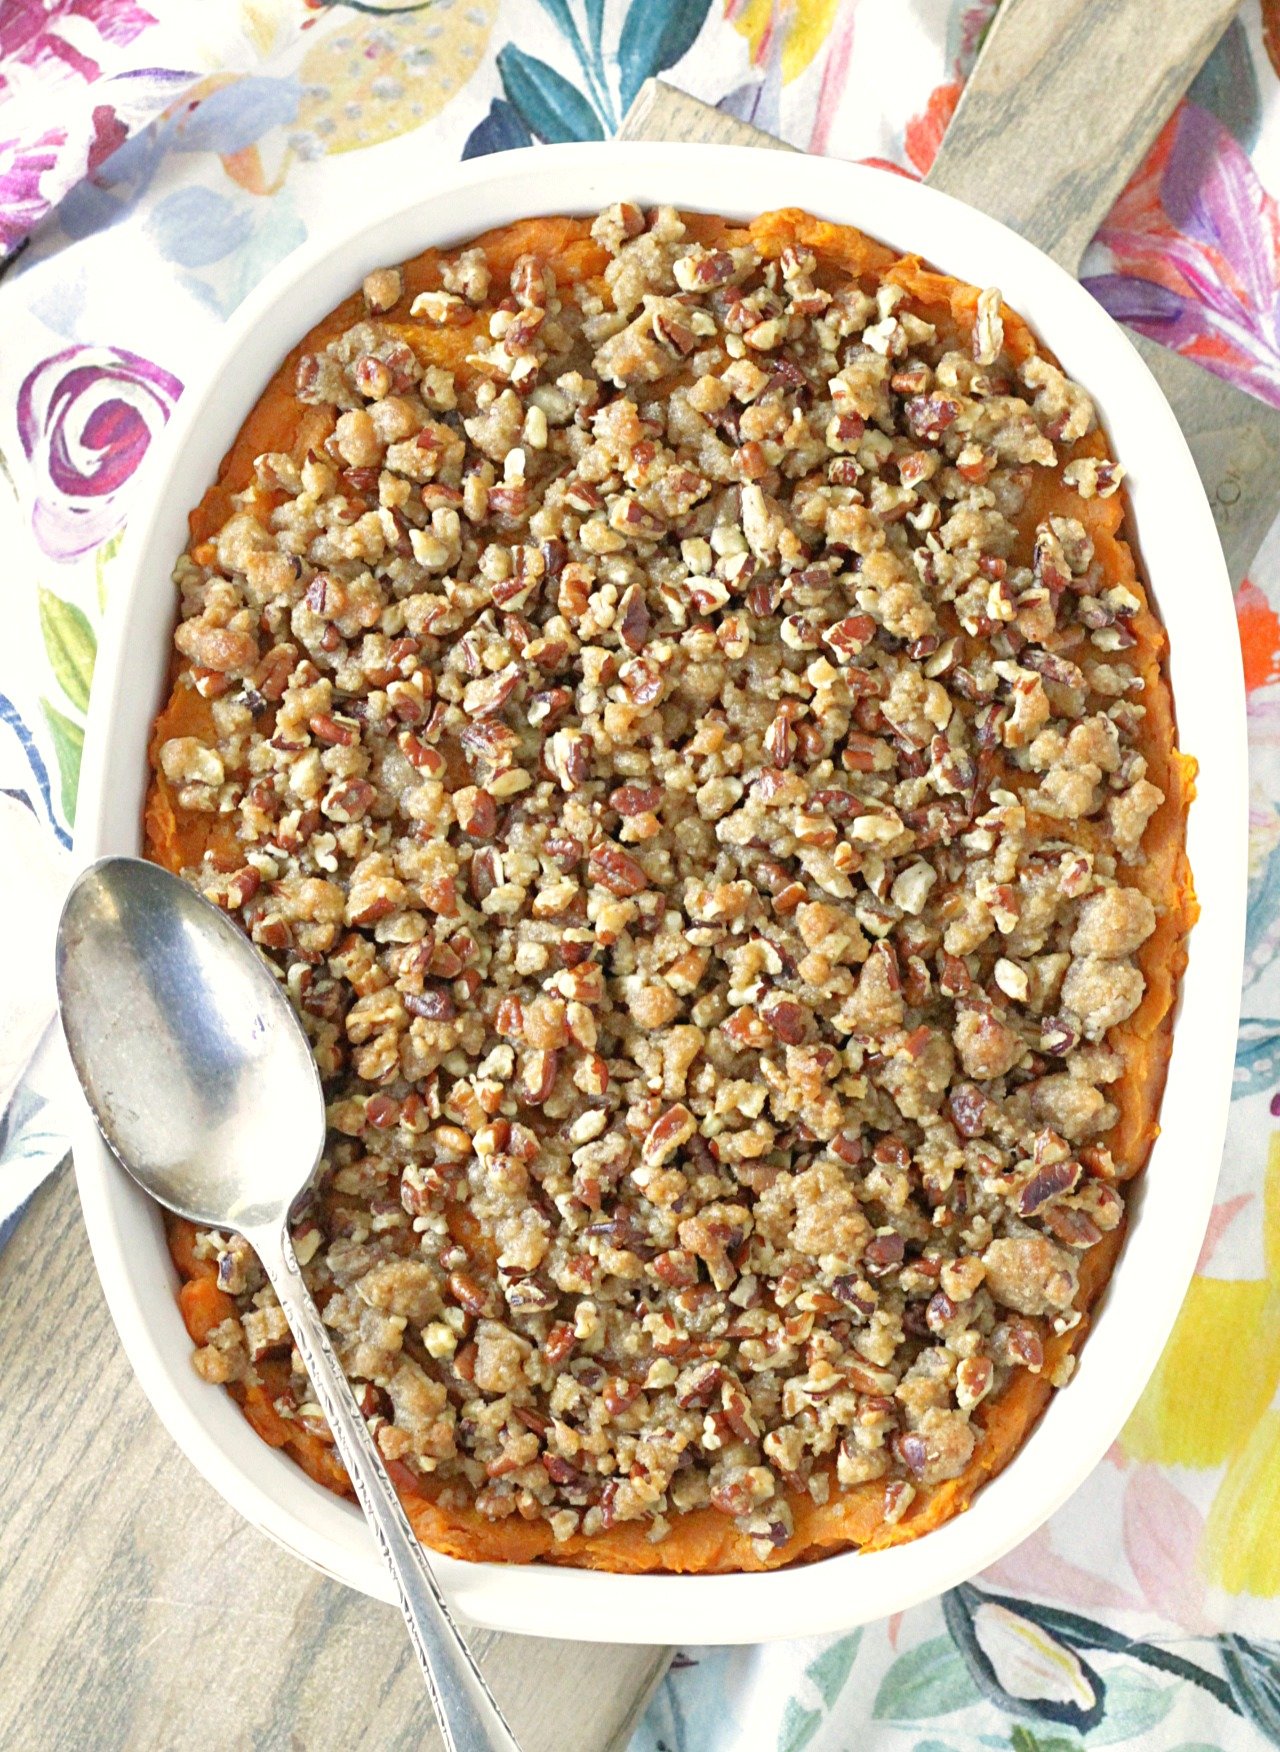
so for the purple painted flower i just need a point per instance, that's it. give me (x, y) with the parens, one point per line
(38, 171)
(86, 418)
(33, 35)
(1194, 246)
(23, 163)
(966, 27)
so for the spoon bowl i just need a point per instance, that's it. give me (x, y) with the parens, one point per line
(201, 1080)
(197, 1069)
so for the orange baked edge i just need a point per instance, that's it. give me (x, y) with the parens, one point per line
(704, 1541)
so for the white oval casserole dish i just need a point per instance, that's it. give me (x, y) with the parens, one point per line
(1182, 559)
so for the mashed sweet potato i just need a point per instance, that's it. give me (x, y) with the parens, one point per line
(1038, 516)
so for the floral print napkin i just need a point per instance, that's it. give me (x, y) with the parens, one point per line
(155, 161)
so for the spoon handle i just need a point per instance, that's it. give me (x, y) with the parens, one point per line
(467, 1711)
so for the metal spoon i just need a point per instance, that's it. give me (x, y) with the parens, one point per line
(202, 1082)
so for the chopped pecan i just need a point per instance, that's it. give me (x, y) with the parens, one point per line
(695, 792)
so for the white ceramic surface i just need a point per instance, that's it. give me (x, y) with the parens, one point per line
(1183, 560)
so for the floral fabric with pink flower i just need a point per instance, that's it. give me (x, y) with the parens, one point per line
(86, 418)
(157, 160)
(55, 128)
(38, 37)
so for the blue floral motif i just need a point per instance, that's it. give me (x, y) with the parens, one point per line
(540, 102)
(193, 226)
(13, 720)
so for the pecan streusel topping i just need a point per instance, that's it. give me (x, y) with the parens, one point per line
(696, 804)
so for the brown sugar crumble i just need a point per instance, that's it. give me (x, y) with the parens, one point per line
(688, 764)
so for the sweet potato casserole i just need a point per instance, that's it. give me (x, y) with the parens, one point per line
(674, 704)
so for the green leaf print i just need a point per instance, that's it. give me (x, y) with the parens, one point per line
(68, 745)
(101, 560)
(1024, 1740)
(930, 1680)
(1135, 1704)
(799, 1725)
(830, 1671)
(72, 647)
(655, 34)
(547, 103)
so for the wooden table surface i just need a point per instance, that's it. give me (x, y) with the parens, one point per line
(138, 1611)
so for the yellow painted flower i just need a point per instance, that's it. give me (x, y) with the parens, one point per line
(1210, 1402)
(1215, 1379)
(1241, 1547)
(372, 78)
(802, 24)
(266, 24)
